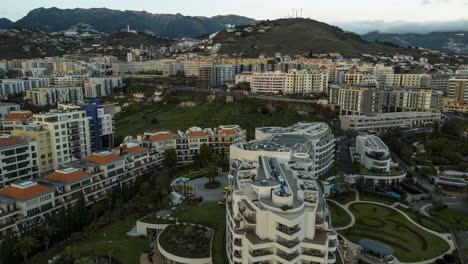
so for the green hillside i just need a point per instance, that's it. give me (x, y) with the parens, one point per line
(296, 36)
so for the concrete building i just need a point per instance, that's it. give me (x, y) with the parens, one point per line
(389, 121)
(187, 143)
(25, 204)
(223, 74)
(268, 83)
(14, 119)
(275, 209)
(69, 133)
(6, 108)
(41, 135)
(21, 86)
(99, 87)
(408, 100)
(305, 82)
(374, 155)
(244, 77)
(440, 82)
(356, 99)
(54, 95)
(18, 159)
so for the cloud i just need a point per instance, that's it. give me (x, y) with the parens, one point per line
(362, 27)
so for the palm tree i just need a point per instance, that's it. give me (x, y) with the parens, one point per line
(343, 184)
(24, 246)
(46, 232)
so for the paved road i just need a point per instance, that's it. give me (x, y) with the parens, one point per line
(215, 195)
(344, 157)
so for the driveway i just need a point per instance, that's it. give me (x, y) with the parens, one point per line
(198, 186)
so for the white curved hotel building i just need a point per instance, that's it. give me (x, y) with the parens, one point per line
(275, 208)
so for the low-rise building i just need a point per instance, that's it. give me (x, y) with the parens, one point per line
(14, 119)
(389, 121)
(373, 154)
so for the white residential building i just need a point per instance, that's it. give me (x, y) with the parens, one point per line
(18, 159)
(98, 87)
(244, 77)
(275, 209)
(53, 95)
(19, 86)
(373, 153)
(305, 82)
(268, 83)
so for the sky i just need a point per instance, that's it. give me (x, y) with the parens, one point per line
(323, 10)
(360, 16)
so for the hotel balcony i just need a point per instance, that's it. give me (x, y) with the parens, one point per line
(331, 246)
(331, 258)
(288, 230)
(288, 257)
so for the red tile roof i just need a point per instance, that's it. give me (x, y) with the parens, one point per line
(67, 177)
(227, 131)
(131, 150)
(18, 115)
(11, 141)
(161, 136)
(196, 133)
(102, 159)
(26, 193)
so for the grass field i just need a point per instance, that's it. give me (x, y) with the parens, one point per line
(374, 198)
(345, 198)
(424, 221)
(455, 218)
(339, 216)
(212, 215)
(168, 116)
(410, 243)
(124, 248)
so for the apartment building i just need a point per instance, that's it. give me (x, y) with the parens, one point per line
(54, 95)
(458, 90)
(305, 82)
(101, 123)
(409, 80)
(192, 68)
(20, 86)
(275, 209)
(353, 76)
(13, 119)
(356, 99)
(188, 143)
(99, 87)
(6, 108)
(41, 135)
(69, 133)
(440, 82)
(18, 159)
(268, 83)
(24, 204)
(389, 121)
(408, 100)
(244, 77)
(223, 74)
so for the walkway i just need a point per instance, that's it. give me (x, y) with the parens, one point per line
(446, 237)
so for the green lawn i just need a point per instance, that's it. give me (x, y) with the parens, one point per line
(424, 221)
(411, 243)
(170, 117)
(126, 249)
(345, 198)
(339, 216)
(455, 218)
(212, 215)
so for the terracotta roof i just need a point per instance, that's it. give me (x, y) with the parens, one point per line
(197, 133)
(11, 141)
(161, 136)
(18, 115)
(227, 131)
(134, 150)
(67, 177)
(26, 193)
(102, 159)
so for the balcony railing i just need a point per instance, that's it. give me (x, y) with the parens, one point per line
(288, 244)
(288, 231)
(288, 257)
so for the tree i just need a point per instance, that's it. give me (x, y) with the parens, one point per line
(170, 158)
(46, 232)
(24, 246)
(343, 184)
(212, 173)
(205, 154)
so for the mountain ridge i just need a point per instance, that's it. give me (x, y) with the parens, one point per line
(110, 21)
